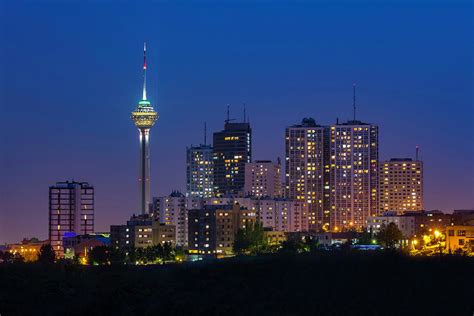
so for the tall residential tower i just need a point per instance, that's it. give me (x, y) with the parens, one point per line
(71, 212)
(401, 185)
(199, 171)
(307, 170)
(144, 118)
(354, 152)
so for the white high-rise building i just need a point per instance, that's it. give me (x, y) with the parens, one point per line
(199, 171)
(354, 174)
(307, 170)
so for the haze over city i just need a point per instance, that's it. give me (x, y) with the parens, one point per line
(72, 75)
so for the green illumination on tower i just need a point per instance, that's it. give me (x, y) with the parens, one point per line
(144, 117)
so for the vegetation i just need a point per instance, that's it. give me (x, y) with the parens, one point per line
(99, 255)
(389, 235)
(312, 283)
(46, 254)
(250, 240)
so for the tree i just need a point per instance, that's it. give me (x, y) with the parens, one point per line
(389, 235)
(18, 258)
(46, 254)
(250, 240)
(292, 247)
(116, 256)
(99, 255)
(6, 257)
(365, 237)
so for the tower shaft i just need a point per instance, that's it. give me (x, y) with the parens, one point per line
(144, 171)
(144, 116)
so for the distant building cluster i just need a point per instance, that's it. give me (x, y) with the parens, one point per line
(330, 182)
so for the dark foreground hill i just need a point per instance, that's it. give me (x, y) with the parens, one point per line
(314, 284)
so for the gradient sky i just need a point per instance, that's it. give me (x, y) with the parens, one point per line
(71, 75)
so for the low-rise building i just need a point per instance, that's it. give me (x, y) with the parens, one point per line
(28, 248)
(173, 210)
(460, 237)
(328, 239)
(274, 213)
(135, 233)
(463, 217)
(163, 234)
(212, 229)
(427, 222)
(80, 245)
(275, 238)
(406, 224)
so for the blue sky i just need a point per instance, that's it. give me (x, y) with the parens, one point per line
(71, 74)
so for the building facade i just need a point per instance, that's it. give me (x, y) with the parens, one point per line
(406, 224)
(173, 210)
(460, 238)
(199, 171)
(232, 150)
(353, 174)
(274, 214)
(263, 179)
(212, 229)
(307, 170)
(136, 233)
(401, 185)
(71, 211)
(28, 248)
(163, 234)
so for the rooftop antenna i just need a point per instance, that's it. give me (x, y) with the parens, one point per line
(244, 112)
(205, 133)
(144, 70)
(228, 115)
(417, 152)
(354, 99)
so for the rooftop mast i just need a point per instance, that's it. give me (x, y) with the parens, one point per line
(354, 100)
(144, 70)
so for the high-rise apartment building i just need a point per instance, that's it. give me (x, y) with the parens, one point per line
(401, 185)
(307, 170)
(199, 171)
(354, 174)
(71, 212)
(263, 179)
(232, 150)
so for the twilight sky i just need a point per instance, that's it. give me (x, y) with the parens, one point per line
(71, 75)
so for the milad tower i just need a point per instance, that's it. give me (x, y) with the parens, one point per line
(144, 117)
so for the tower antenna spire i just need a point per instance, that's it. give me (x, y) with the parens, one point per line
(144, 70)
(245, 112)
(205, 133)
(417, 152)
(354, 100)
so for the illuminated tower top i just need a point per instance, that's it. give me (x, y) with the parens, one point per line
(144, 115)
